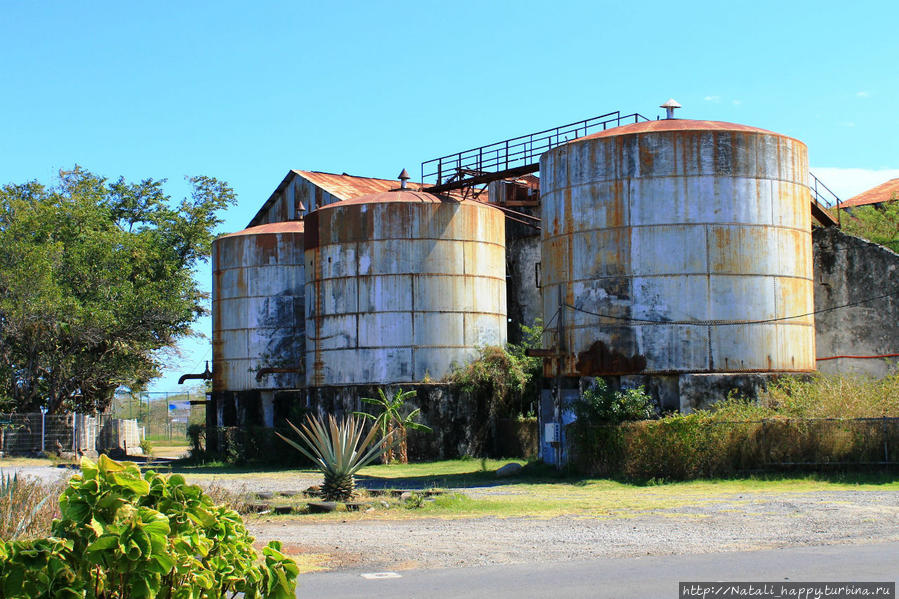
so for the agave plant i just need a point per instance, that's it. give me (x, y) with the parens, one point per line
(339, 450)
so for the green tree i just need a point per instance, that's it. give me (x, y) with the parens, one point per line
(393, 423)
(878, 224)
(95, 279)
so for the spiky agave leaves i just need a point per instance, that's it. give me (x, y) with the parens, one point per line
(339, 450)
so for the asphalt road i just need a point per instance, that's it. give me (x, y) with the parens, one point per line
(645, 577)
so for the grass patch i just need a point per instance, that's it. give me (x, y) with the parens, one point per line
(163, 441)
(541, 493)
(15, 461)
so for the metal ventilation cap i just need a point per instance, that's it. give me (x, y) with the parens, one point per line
(403, 177)
(669, 107)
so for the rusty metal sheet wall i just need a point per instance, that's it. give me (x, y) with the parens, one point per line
(399, 291)
(257, 308)
(678, 226)
(296, 200)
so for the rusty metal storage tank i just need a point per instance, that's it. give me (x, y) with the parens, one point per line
(678, 246)
(257, 308)
(400, 286)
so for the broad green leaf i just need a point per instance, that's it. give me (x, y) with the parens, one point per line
(103, 543)
(137, 485)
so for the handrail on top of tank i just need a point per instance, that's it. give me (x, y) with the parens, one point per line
(524, 149)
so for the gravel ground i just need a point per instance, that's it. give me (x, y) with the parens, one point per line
(731, 523)
(722, 522)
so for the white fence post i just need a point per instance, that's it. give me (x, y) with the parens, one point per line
(43, 428)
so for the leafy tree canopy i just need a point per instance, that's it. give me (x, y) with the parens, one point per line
(95, 278)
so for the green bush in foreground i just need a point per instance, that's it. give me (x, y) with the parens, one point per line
(121, 536)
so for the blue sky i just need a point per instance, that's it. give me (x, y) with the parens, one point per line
(246, 91)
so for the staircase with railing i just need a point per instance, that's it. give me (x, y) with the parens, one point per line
(511, 157)
(823, 200)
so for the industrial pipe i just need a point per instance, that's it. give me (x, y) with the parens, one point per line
(858, 357)
(203, 376)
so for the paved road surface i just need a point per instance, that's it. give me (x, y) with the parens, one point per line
(646, 577)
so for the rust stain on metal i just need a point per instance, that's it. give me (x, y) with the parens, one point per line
(600, 359)
(417, 282)
(695, 222)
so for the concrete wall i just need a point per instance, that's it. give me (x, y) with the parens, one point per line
(459, 421)
(524, 301)
(847, 270)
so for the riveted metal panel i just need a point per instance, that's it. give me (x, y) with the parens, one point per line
(427, 286)
(671, 241)
(257, 307)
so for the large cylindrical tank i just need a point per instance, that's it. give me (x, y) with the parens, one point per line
(678, 246)
(400, 286)
(257, 308)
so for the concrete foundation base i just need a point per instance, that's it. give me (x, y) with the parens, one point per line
(459, 422)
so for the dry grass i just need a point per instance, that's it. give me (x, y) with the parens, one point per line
(835, 397)
(237, 501)
(27, 507)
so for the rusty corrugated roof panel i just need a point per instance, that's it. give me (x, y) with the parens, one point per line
(677, 125)
(347, 187)
(876, 195)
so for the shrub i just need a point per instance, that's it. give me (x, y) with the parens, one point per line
(122, 535)
(146, 447)
(799, 421)
(599, 404)
(197, 435)
(497, 379)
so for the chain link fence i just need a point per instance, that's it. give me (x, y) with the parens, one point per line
(37, 433)
(163, 415)
(682, 448)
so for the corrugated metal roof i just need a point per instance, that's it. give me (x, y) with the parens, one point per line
(876, 195)
(347, 187)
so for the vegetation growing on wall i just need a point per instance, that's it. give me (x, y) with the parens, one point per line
(506, 377)
(95, 278)
(799, 421)
(879, 224)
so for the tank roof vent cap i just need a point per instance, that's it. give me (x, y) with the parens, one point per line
(403, 177)
(669, 107)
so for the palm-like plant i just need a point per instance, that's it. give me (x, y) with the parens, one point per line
(339, 450)
(392, 423)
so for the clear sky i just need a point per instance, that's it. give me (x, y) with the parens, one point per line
(245, 91)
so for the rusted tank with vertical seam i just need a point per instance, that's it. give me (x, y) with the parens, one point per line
(671, 240)
(257, 307)
(400, 286)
